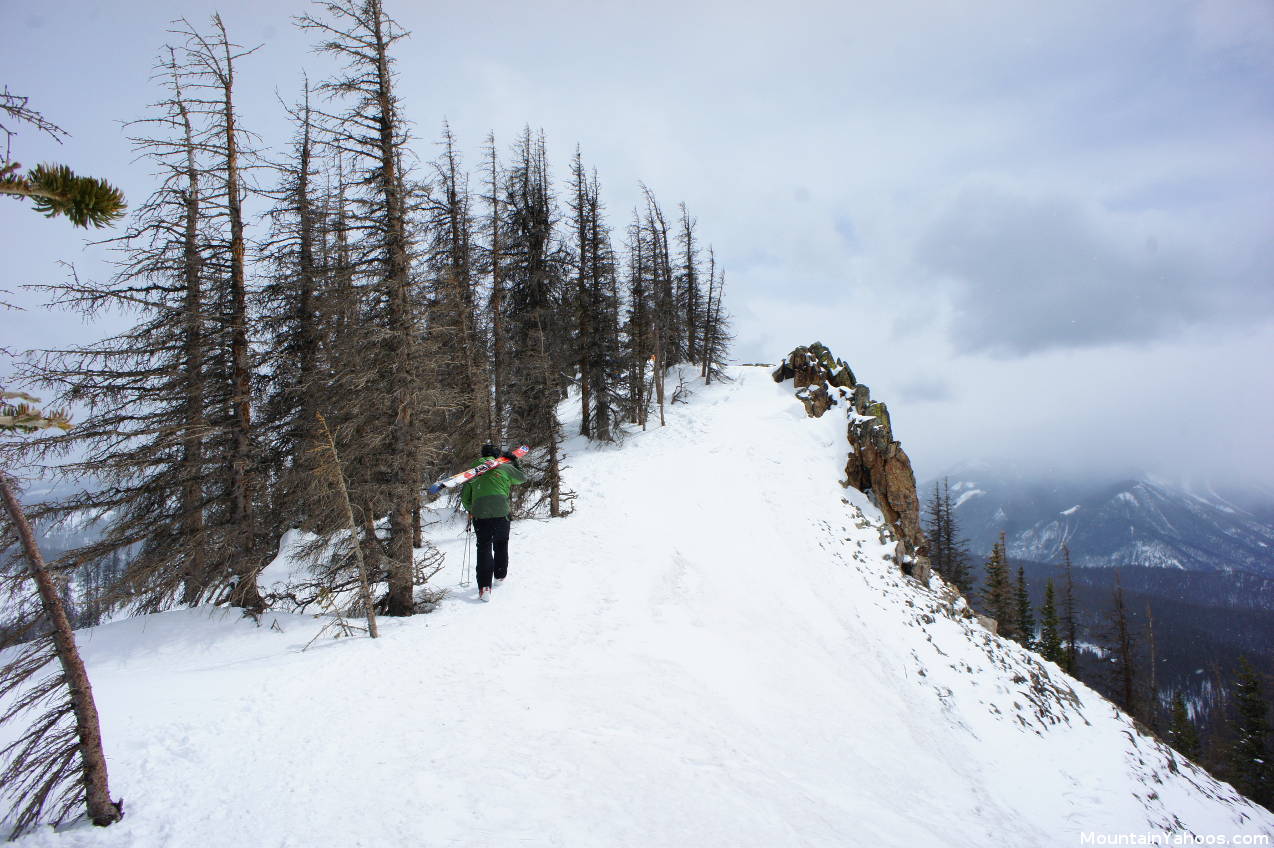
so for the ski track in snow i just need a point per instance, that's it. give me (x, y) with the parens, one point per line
(711, 651)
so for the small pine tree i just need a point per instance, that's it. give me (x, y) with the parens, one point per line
(1050, 644)
(1182, 733)
(1070, 654)
(934, 530)
(1025, 617)
(997, 594)
(947, 552)
(958, 552)
(1123, 650)
(1251, 769)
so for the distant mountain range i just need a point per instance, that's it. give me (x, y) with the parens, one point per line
(1202, 557)
(1142, 522)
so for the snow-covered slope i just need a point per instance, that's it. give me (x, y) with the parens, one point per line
(711, 651)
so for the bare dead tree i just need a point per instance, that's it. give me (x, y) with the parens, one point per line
(665, 327)
(580, 209)
(688, 295)
(494, 181)
(57, 764)
(455, 330)
(297, 311)
(211, 59)
(638, 325)
(717, 336)
(534, 269)
(601, 346)
(391, 366)
(163, 440)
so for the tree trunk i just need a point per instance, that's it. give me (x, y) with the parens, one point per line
(582, 304)
(338, 475)
(403, 460)
(245, 593)
(497, 308)
(708, 341)
(195, 582)
(101, 809)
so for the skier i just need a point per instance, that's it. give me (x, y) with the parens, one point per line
(486, 499)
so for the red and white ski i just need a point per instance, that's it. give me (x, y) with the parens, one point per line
(469, 473)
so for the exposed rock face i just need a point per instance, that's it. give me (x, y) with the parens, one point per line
(877, 465)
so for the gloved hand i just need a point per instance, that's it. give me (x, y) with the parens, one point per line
(511, 457)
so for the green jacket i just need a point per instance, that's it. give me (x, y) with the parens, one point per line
(487, 495)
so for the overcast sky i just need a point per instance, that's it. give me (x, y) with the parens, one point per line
(1042, 232)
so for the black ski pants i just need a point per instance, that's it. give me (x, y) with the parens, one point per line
(493, 549)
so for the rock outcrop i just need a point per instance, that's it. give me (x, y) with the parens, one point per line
(877, 464)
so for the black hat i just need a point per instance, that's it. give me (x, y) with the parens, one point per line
(490, 450)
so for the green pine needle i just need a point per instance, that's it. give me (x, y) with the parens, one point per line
(57, 190)
(84, 200)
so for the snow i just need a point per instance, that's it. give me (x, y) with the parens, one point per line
(1071, 511)
(964, 496)
(716, 657)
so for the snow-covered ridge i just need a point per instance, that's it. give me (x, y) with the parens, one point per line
(712, 650)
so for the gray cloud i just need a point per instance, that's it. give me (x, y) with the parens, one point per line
(1029, 274)
(925, 389)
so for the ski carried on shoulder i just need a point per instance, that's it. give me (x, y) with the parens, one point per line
(469, 473)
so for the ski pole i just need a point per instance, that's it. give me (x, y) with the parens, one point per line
(468, 552)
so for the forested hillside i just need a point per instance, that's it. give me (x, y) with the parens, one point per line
(413, 306)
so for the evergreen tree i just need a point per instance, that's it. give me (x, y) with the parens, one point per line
(1182, 733)
(1251, 768)
(947, 552)
(958, 556)
(997, 592)
(1050, 644)
(1025, 617)
(1151, 709)
(1123, 651)
(935, 531)
(1070, 653)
